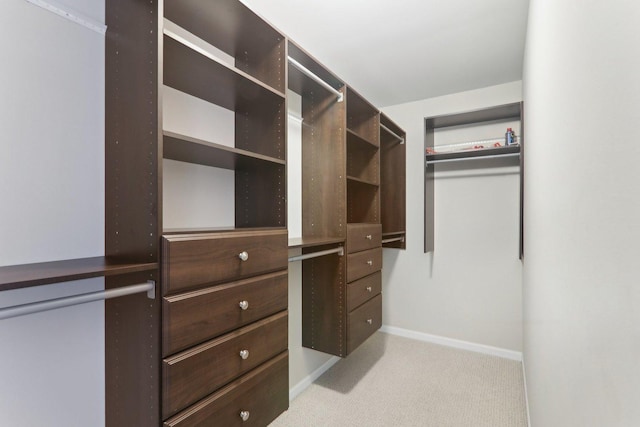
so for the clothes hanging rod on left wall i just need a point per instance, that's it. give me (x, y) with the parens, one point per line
(55, 303)
(315, 78)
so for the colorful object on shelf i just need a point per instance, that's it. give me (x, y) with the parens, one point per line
(509, 137)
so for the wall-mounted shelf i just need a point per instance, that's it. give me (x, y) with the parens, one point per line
(44, 273)
(500, 113)
(309, 242)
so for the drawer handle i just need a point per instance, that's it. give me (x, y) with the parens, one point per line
(369, 237)
(368, 288)
(243, 304)
(244, 354)
(369, 262)
(244, 415)
(243, 255)
(370, 321)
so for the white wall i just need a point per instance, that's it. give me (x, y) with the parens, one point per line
(52, 208)
(582, 204)
(469, 288)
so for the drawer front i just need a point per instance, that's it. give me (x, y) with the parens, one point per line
(364, 321)
(361, 237)
(195, 317)
(363, 264)
(198, 372)
(362, 290)
(263, 393)
(189, 261)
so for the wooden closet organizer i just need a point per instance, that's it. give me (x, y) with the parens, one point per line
(212, 347)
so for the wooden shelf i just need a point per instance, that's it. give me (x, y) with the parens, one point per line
(353, 179)
(206, 78)
(354, 138)
(513, 149)
(26, 275)
(193, 150)
(204, 230)
(230, 26)
(308, 242)
(393, 233)
(502, 112)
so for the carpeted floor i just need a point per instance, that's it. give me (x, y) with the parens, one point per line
(396, 382)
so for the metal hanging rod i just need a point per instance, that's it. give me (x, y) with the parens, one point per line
(398, 137)
(393, 239)
(314, 77)
(460, 159)
(52, 304)
(339, 251)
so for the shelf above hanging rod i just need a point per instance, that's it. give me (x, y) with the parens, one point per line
(52, 304)
(315, 78)
(398, 137)
(393, 239)
(339, 251)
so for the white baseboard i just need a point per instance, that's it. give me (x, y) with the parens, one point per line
(450, 342)
(308, 380)
(526, 396)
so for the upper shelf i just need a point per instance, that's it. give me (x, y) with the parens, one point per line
(43, 273)
(258, 48)
(193, 150)
(308, 242)
(354, 138)
(207, 78)
(303, 84)
(501, 112)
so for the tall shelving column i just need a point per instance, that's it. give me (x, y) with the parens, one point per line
(392, 183)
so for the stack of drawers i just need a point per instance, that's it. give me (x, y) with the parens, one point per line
(224, 337)
(364, 282)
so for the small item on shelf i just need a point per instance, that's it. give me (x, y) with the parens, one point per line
(497, 145)
(509, 137)
(430, 150)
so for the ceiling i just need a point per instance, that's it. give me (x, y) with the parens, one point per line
(405, 50)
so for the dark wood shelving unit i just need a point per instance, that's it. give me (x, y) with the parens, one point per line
(393, 165)
(44, 273)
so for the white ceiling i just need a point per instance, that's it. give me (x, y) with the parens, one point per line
(404, 50)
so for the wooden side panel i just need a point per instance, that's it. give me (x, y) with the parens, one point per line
(324, 303)
(323, 174)
(132, 355)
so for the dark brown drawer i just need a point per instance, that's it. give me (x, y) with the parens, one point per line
(362, 290)
(361, 237)
(363, 264)
(195, 317)
(192, 260)
(363, 321)
(262, 394)
(193, 374)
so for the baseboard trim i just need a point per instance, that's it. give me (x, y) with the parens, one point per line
(450, 342)
(309, 379)
(526, 395)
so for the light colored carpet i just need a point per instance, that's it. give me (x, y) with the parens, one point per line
(394, 381)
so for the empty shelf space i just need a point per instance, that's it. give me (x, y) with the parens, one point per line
(193, 150)
(203, 76)
(308, 242)
(233, 28)
(26, 275)
(354, 138)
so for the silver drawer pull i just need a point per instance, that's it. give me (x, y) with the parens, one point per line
(244, 354)
(370, 262)
(368, 288)
(243, 304)
(369, 237)
(244, 415)
(370, 321)
(243, 255)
